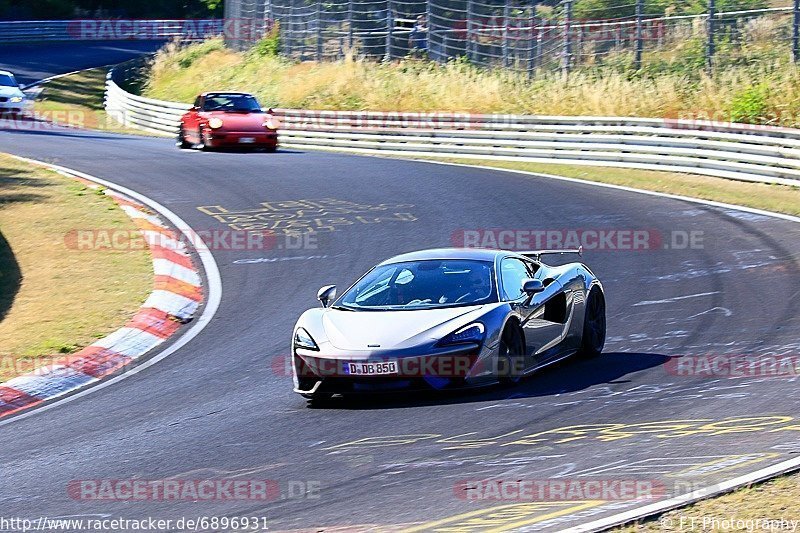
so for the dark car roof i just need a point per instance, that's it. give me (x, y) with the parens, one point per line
(478, 254)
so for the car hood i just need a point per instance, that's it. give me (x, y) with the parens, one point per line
(245, 122)
(10, 91)
(390, 330)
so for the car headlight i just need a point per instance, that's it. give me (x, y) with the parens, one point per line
(469, 334)
(215, 123)
(16, 99)
(303, 340)
(271, 123)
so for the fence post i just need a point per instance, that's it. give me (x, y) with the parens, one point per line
(429, 36)
(637, 56)
(350, 25)
(506, 17)
(567, 59)
(533, 44)
(470, 32)
(796, 32)
(710, 28)
(389, 28)
(319, 31)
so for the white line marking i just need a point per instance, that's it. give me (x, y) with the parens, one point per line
(213, 298)
(675, 299)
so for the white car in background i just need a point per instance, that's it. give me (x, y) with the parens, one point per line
(12, 99)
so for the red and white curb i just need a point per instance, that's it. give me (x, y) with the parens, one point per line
(176, 296)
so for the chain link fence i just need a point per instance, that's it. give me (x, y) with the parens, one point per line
(529, 37)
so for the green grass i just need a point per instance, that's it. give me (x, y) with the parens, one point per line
(54, 298)
(77, 100)
(755, 81)
(774, 499)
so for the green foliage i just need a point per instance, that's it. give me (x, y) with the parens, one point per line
(214, 6)
(269, 45)
(751, 104)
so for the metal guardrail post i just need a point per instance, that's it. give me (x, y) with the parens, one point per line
(319, 32)
(796, 32)
(710, 29)
(470, 32)
(566, 63)
(506, 19)
(429, 25)
(534, 46)
(637, 55)
(350, 25)
(387, 56)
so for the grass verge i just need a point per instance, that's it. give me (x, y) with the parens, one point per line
(776, 499)
(760, 86)
(54, 298)
(77, 100)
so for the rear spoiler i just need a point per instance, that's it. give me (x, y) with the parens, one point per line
(537, 254)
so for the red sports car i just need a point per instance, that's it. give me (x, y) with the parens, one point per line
(227, 119)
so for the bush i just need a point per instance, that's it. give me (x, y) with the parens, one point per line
(269, 45)
(750, 105)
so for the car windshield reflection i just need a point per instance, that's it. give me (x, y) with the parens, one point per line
(426, 284)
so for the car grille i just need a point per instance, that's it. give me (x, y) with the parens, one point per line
(3, 99)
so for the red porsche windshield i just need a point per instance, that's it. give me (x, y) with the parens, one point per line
(233, 103)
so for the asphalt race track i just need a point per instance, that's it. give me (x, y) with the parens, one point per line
(35, 61)
(222, 406)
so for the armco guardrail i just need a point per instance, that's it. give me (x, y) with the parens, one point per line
(734, 151)
(109, 29)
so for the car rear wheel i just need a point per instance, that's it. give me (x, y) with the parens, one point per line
(510, 364)
(181, 141)
(594, 325)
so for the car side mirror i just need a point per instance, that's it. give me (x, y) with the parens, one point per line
(21, 86)
(532, 286)
(326, 295)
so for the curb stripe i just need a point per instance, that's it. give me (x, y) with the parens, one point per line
(174, 256)
(96, 361)
(155, 322)
(170, 284)
(164, 267)
(176, 295)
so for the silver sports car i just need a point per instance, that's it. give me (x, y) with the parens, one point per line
(447, 318)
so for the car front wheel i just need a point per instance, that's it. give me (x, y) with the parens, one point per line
(594, 325)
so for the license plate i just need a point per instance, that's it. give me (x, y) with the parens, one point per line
(247, 140)
(371, 369)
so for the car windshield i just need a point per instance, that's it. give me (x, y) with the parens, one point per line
(7, 80)
(422, 285)
(231, 102)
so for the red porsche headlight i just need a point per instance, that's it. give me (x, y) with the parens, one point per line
(215, 123)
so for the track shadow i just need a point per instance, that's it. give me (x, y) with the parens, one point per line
(10, 277)
(571, 375)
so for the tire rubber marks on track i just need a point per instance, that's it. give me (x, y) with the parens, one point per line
(669, 429)
(176, 295)
(308, 216)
